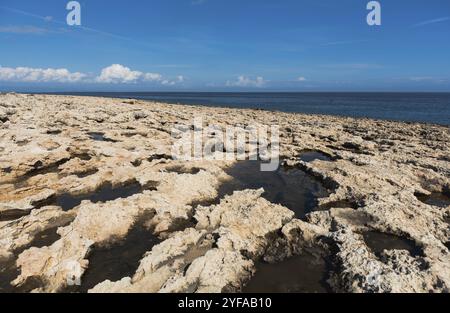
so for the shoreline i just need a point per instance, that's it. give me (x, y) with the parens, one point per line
(91, 169)
(199, 105)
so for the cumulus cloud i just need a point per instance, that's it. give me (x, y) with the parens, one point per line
(167, 82)
(119, 74)
(114, 74)
(27, 74)
(244, 81)
(301, 79)
(152, 77)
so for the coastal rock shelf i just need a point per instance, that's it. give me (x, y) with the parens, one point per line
(89, 194)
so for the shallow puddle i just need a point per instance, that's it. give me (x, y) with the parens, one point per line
(179, 169)
(340, 204)
(96, 136)
(104, 194)
(120, 260)
(436, 199)
(54, 132)
(12, 215)
(378, 242)
(447, 244)
(87, 173)
(39, 169)
(82, 156)
(8, 272)
(7, 170)
(311, 156)
(306, 273)
(289, 187)
(46, 238)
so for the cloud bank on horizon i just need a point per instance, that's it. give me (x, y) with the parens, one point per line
(243, 81)
(114, 74)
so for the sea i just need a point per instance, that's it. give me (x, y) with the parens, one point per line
(431, 108)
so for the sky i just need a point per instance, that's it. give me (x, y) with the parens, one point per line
(225, 45)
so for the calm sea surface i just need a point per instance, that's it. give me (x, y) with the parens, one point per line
(411, 107)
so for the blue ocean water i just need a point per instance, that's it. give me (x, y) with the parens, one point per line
(410, 107)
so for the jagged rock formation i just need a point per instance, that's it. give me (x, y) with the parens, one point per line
(87, 170)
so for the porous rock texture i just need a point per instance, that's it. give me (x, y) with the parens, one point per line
(377, 174)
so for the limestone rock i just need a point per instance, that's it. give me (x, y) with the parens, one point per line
(382, 176)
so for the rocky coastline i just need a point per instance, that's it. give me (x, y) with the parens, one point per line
(79, 174)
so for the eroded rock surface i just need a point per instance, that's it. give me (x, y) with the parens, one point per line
(380, 176)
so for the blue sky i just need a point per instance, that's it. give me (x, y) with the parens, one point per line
(225, 45)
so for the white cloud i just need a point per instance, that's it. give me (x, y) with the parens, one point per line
(27, 74)
(114, 74)
(152, 77)
(117, 73)
(167, 82)
(244, 81)
(301, 79)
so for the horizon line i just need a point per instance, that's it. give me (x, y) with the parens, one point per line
(218, 91)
